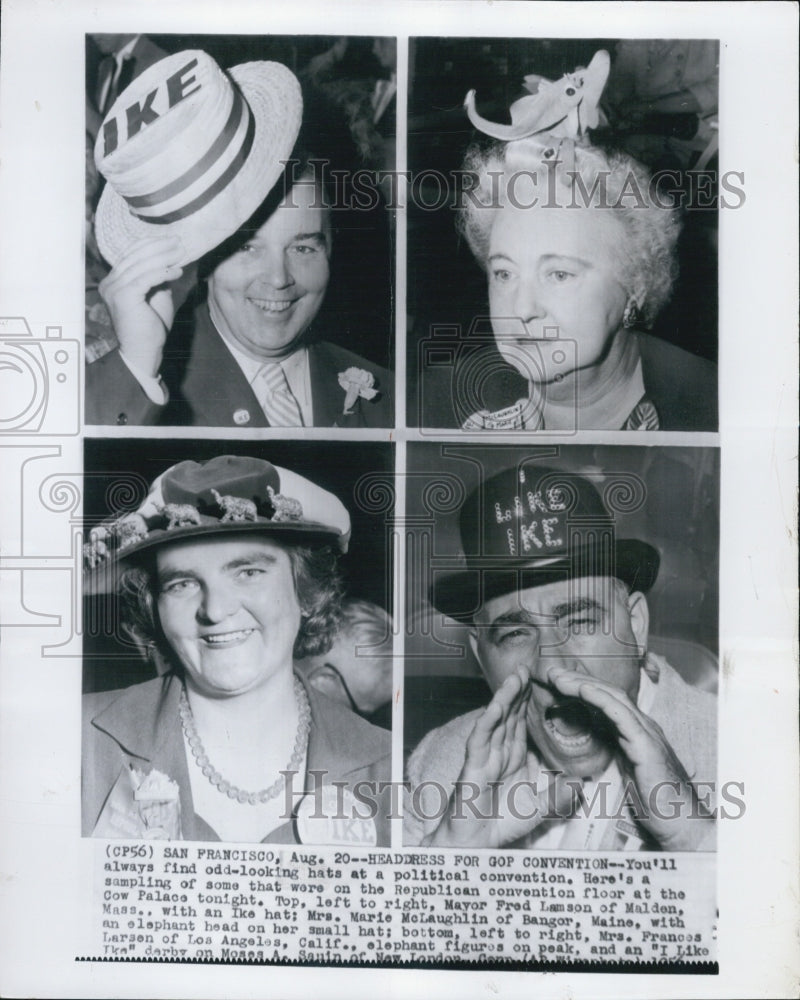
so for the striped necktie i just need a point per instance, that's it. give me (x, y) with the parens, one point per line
(279, 405)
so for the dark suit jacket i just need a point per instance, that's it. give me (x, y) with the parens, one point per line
(682, 386)
(207, 387)
(140, 727)
(143, 55)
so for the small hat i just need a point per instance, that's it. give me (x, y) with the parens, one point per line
(190, 151)
(562, 109)
(529, 526)
(226, 495)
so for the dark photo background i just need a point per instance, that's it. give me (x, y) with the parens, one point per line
(679, 515)
(116, 472)
(358, 308)
(445, 284)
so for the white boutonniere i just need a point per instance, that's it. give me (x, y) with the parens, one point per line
(141, 805)
(158, 803)
(356, 382)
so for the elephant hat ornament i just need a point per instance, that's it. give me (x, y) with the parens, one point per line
(563, 108)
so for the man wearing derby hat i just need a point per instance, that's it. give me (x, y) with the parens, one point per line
(195, 162)
(589, 741)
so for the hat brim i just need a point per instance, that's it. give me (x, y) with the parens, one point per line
(460, 595)
(275, 99)
(104, 578)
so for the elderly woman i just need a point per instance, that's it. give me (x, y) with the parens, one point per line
(580, 253)
(227, 572)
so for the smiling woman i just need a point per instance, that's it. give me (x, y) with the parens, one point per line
(227, 572)
(229, 611)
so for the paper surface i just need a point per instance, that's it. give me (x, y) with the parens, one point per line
(55, 468)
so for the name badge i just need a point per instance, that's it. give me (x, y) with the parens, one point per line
(509, 419)
(332, 815)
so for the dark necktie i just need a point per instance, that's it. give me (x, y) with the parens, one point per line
(111, 83)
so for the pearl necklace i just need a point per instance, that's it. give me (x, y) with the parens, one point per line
(213, 775)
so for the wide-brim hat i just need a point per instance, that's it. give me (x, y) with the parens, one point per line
(227, 495)
(190, 151)
(531, 525)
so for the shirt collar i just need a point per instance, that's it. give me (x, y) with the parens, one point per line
(647, 687)
(126, 49)
(293, 363)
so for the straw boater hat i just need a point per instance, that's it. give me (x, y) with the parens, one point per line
(190, 151)
(531, 525)
(227, 495)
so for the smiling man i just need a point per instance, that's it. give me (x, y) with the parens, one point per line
(589, 742)
(244, 205)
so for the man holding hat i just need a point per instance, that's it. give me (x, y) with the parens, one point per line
(589, 742)
(193, 159)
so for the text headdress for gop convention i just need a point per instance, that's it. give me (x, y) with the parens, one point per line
(188, 150)
(556, 114)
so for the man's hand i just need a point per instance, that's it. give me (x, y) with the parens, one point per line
(495, 802)
(139, 298)
(675, 817)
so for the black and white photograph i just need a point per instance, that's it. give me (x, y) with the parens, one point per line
(562, 267)
(228, 638)
(575, 639)
(239, 264)
(398, 521)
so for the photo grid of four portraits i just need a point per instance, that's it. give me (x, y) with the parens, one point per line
(402, 400)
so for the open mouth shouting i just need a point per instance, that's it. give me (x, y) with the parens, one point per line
(575, 728)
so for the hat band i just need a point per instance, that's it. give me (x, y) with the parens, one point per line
(217, 151)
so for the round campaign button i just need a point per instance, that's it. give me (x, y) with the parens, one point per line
(331, 814)
(241, 417)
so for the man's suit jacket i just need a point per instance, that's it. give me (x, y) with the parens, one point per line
(142, 56)
(208, 389)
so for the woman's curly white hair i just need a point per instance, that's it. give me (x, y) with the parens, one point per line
(646, 260)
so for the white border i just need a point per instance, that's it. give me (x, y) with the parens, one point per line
(41, 205)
